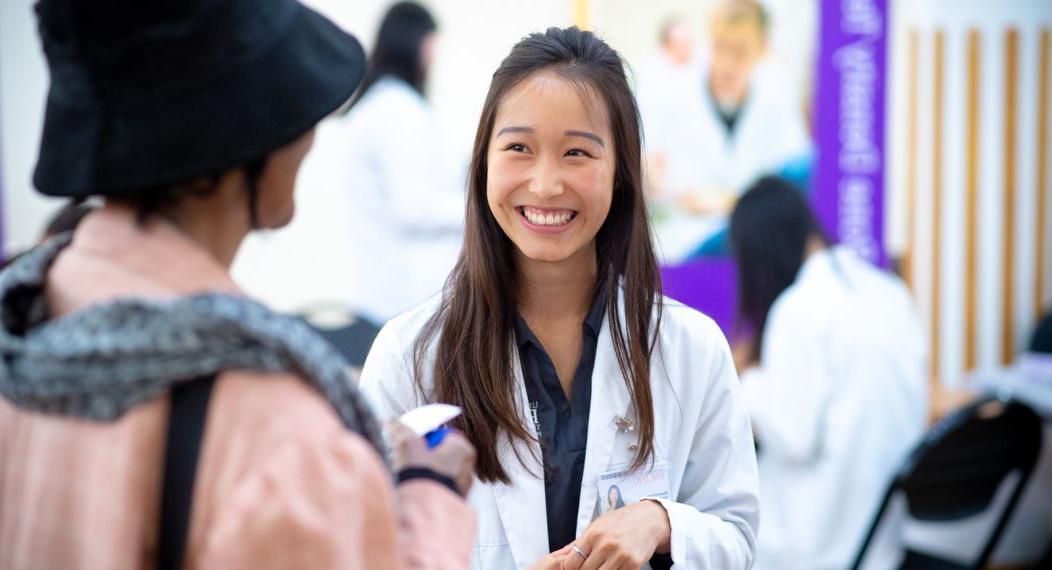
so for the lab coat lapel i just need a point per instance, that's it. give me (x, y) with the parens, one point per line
(522, 504)
(610, 400)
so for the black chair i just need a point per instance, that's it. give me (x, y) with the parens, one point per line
(350, 334)
(957, 469)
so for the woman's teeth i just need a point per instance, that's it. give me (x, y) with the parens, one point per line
(540, 218)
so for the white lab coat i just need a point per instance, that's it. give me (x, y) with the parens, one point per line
(838, 401)
(404, 198)
(680, 123)
(702, 430)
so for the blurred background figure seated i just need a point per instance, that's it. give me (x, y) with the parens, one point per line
(834, 378)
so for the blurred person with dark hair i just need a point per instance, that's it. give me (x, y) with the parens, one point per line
(404, 50)
(150, 414)
(834, 379)
(403, 195)
(711, 136)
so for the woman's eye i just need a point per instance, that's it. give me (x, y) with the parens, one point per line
(578, 152)
(516, 147)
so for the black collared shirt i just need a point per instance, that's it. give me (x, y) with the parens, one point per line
(562, 425)
(728, 117)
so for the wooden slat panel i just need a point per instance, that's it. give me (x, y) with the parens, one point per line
(1011, 116)
(908, 269)
(1040, 227)
(582, 12)
(971, 263)
(936, 244)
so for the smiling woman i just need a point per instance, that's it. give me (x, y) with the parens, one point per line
(554, 338)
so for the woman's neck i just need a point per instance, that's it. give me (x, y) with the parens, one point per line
(217, 222)
(814, 245)
(557, 290)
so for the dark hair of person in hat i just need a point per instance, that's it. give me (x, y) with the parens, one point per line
(155, 415)
(404, 47)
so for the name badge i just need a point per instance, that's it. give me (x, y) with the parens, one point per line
(620, 487)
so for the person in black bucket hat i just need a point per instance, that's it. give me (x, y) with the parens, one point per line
(151, 415)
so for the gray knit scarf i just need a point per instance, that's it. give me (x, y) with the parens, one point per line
(101, 362)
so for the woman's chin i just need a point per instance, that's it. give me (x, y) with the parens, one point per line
(546, 254)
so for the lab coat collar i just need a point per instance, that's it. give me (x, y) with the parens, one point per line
(816, 263)
(835, 264)
(610, 404)
(833, 259)
(525, 524)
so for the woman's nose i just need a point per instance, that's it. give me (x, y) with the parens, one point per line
(546, 180)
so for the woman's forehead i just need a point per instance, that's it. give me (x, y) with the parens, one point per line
(547, 98)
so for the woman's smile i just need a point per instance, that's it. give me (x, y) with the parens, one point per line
(546, 221)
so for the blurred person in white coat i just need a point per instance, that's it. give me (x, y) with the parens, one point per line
(405, 199)
(834, 381)
(672, 66)
(713, 132)
(655, 79)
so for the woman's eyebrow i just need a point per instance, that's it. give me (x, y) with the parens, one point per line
(587, 135)
(507, 130)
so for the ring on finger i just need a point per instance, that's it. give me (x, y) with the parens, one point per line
(577, 550)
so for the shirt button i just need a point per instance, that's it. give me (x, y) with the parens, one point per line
(633, 447)
(623, 424)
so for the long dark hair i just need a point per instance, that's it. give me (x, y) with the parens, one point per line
(397, 49)
(769, 230)
(473, 329)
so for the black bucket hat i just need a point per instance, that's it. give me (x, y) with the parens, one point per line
(147, 93)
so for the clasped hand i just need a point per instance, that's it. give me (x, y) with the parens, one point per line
(624, 539)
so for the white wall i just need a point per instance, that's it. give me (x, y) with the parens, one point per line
(23, 86)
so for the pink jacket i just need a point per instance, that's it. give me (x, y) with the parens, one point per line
(280, 482)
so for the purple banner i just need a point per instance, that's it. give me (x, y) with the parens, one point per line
(848, 191)
(707, 285)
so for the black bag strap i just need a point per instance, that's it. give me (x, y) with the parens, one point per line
(186, 426)
(661, 562)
